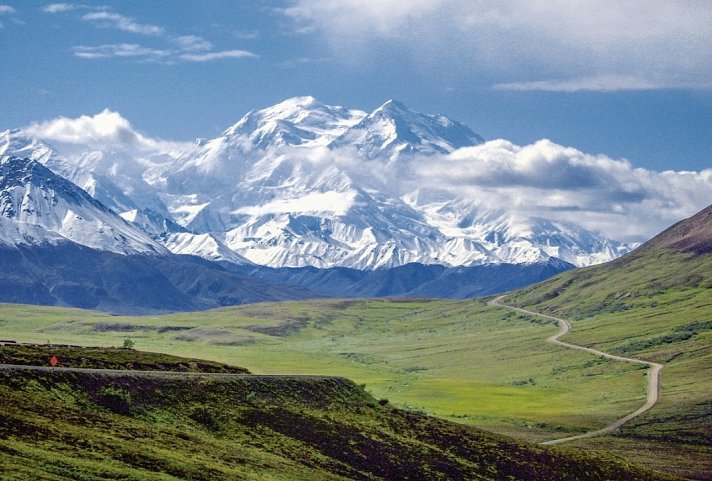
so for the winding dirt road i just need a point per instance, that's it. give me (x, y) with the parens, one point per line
(653, 392)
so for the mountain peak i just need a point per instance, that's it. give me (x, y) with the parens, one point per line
(393, 105)
(393, 129)
(303, 101)
(295, 121)
(297, 183)
(16, 142)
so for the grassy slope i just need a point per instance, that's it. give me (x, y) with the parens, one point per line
(462, 360)
(61, 426)
(655, 304)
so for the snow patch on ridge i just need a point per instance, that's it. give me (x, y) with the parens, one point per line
(335, 203)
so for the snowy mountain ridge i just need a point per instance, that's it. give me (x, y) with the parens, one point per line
(33, 195)
(302, 183)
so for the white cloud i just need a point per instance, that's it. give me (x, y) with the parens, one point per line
(665, 45)
(106, 130)
(183, 48)
(552, 181)
(601, 83)
(209, 56)
(7, 10)
(192, 43)
(542, 179)
(138, 52)
(304, 61)
(120, 22)
(60, 7)
(126, 50)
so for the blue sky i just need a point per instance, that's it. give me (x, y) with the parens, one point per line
(604, 76)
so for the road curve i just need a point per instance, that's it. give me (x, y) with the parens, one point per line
(164, 374)
(653, 391)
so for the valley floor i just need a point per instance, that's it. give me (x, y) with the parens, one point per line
(481, 365)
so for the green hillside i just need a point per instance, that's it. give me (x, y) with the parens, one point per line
(100, 426)
(655, 304)
(465, 361)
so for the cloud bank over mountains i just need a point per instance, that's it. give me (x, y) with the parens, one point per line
(543, 179)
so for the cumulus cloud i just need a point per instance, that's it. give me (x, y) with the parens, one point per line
(106, 130)
(7, 10)
(210, 56)
(106, 19)
(130, 50)
(511, 40)
(552, 181)
(192, 43)
(542, 179)
(60, 7)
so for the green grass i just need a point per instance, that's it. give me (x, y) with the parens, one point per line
(460, 360)
(655, 305)
(70, 426)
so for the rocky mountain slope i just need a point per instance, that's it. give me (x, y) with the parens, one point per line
(31, 194)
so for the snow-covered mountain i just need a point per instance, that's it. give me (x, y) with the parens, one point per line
(16, 143)
(33, 195)
(205, 246)
(114, 178)
(17, 234)
(297, 121)
(302, 183)
(394, 129)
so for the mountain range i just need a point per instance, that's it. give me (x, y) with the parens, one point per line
(306, 184)
(314, 199)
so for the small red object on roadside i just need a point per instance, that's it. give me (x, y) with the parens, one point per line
(53, 362)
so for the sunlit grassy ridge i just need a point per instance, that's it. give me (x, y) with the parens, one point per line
(68, 425)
